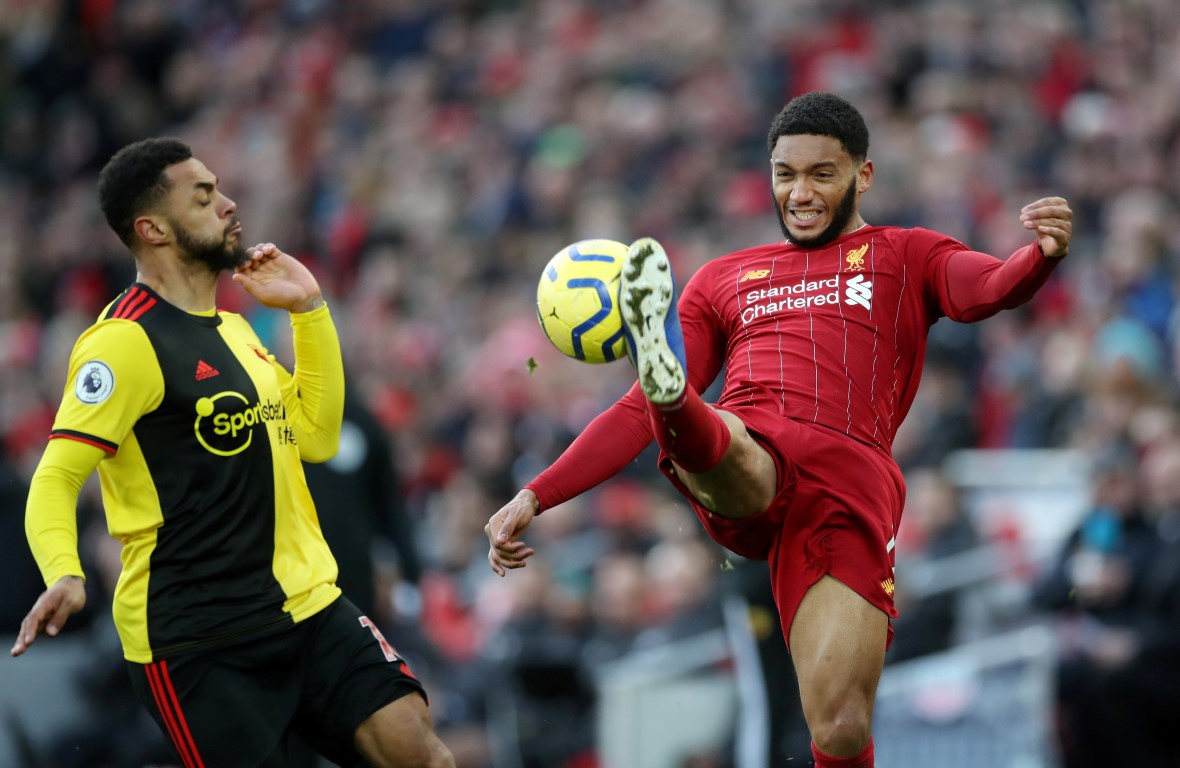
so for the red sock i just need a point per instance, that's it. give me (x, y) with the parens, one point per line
(690, 432)
(863, 760)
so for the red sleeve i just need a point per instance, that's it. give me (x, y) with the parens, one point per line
(612, 440)
(608, 444)
(970, 286)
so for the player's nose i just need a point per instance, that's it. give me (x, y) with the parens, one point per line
(801, 191)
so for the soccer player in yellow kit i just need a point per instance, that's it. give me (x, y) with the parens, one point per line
(234, 631)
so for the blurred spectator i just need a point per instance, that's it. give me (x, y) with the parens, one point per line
(541, 698)
(1102, 563)
(941, 419)
(684, 599)
(935, 527)
(1105, 588)
(619, 606)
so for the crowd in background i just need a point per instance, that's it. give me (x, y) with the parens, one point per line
(427, 157)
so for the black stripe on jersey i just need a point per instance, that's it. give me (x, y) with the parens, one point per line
(212, 568)
(82, 437)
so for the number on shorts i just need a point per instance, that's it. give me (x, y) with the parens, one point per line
(386, 648)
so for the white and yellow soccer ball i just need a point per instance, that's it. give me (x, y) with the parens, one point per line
(577, 301)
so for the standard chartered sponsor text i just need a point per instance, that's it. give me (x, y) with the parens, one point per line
(800, 295)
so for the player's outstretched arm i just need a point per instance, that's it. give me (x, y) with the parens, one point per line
(50, 612)
(504, 529)
(974, 285)
(608, 444)
(1052, 220)
(278, 280)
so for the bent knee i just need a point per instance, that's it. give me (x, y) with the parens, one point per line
(845, 732)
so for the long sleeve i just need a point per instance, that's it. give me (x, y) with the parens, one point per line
(51, 518)
(314, 394)
(608, 444)
(974, 285)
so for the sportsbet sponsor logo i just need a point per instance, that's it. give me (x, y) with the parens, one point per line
(225, 422)
(232, 423)
(806, 294)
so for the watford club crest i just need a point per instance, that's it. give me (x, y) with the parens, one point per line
(856, 259)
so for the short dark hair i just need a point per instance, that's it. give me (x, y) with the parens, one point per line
(133, 181)
(822, 114)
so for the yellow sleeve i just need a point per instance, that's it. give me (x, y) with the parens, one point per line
(51, 520)
(114, 379)
(314, 395)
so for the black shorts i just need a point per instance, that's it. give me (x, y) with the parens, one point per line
(238, 705)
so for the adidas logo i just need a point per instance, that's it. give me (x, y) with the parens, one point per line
(205, 371)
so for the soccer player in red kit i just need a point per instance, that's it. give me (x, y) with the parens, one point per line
(822, 338)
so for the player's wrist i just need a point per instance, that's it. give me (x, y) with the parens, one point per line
(308, 305)
(1054, 256)
(529, 497)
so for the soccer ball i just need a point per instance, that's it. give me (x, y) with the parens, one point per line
(577, 301)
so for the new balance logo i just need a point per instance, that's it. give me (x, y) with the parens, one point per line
(859, 291)
(205, 371)
(755, 274)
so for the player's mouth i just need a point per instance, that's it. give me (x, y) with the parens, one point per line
(804, 219)
(236, 229)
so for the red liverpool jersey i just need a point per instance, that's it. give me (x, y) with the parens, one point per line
(834, 336)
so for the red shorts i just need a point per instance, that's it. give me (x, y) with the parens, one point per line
(836, 511)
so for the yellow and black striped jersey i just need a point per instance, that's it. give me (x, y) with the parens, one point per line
(203, 482)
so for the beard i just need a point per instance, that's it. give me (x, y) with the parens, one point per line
(214, 254)
(840, 218)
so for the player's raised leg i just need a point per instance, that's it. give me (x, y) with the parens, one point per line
(715, 457)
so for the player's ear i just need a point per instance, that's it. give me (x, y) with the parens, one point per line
(864, 176)
(153, 230)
